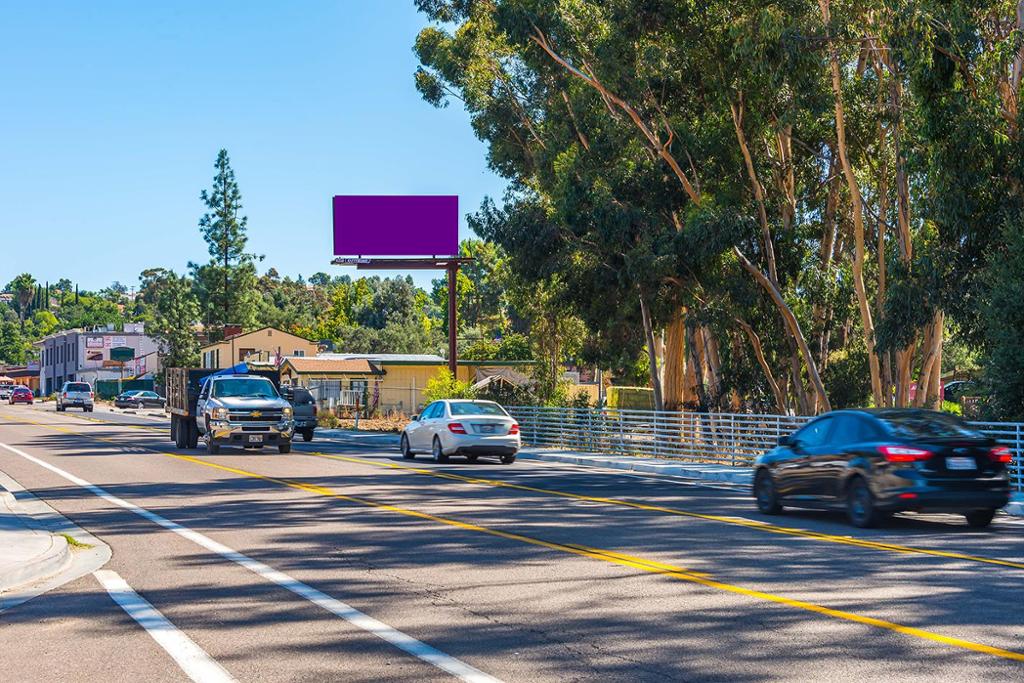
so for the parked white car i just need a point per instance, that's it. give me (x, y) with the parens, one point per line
(462, 427)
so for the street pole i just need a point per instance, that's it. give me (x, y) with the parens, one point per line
(453, 362)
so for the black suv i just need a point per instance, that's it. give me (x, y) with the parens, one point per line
(873, 463)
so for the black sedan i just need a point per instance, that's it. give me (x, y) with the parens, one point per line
(139, 399)
(873, 463)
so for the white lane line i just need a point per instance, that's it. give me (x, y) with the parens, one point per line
(196, 664)
(350, 614)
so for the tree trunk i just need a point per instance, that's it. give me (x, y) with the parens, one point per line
(857, 213)
(713, 362)
(692, 340)
(755, 343)
(933, 397)
(674, 369)
(793, 325)
(652, 357)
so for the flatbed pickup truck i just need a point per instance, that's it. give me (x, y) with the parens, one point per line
(226, 409)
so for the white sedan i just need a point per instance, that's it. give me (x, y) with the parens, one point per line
(462, 427)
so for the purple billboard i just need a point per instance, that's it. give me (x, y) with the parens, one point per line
(396, 225)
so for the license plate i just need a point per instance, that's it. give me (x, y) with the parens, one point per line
(255, 438)
(487, 429)
(960, 464)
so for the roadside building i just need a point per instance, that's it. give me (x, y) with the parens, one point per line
(25, 375)
(85, 356)
(267, 344)
(395, 385)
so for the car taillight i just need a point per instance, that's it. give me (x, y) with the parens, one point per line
(514, 429)
(1001, 454)
(90, 395)
(65, 394)
(456, 428)
(904, 453)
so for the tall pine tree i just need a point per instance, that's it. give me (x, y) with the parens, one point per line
(226, 285)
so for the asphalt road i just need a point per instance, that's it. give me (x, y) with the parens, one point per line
(341, 561)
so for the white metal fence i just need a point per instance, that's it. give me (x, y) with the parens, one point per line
(721, 438)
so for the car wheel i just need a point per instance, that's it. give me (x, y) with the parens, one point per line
(508, 459)
(979, 519)
(307, 435)
(284, 448)
(406, 451)
(860, 505)
(766, 494)
(438, 452)
(211, 447)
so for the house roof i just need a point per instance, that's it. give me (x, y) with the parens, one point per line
(418, 359)
(246, 334)
(330, 366)
(387, 357)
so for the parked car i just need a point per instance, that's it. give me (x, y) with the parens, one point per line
(77, 394)
(5, 390)
(303, 410)
(956, 390)
(462, 427)
(137, 398)
(21, 394)
(873, 463)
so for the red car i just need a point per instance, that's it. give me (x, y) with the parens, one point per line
(21, 395)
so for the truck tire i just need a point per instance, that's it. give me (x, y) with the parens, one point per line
(212, 448)
(284, 448)
(179, 429)
(192, 434)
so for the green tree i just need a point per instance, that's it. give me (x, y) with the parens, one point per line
(12, 344)
(23, 288)
(177, 311)
(226, 284)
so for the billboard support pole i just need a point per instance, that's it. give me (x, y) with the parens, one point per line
(453, 327)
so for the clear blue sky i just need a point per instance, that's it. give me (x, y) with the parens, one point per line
(114, 111)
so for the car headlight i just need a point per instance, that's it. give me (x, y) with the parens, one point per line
(287, 412)
(219, 414)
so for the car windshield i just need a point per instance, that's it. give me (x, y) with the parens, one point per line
(247, 387)
(925, 425)
(470, 408)
(78, 386)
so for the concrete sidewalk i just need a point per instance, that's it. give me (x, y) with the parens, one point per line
(35, 553)
(28, 553)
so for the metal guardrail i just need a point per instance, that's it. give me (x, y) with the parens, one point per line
(722, 438)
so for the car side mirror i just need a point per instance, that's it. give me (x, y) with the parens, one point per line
(415, 418)
(787, 440)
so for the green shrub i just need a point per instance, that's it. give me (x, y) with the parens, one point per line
(444, 385)
(327, 420)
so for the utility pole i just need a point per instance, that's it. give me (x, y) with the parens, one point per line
(453, 361)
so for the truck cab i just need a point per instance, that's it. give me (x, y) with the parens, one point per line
(243, 410)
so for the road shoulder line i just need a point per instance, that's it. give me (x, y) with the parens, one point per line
(402, 641)
(192, 659)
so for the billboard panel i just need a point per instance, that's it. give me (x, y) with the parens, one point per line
(396, 225)
(94, 342)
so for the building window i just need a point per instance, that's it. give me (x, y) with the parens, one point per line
(299, 353)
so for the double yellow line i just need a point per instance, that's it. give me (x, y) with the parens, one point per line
(735, 521)
(611, 557)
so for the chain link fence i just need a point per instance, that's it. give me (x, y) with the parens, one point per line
(718, 438)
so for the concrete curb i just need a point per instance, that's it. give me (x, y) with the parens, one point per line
(55, 556)
(43, 519)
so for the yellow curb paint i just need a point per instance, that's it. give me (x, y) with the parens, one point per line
(600, 554)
